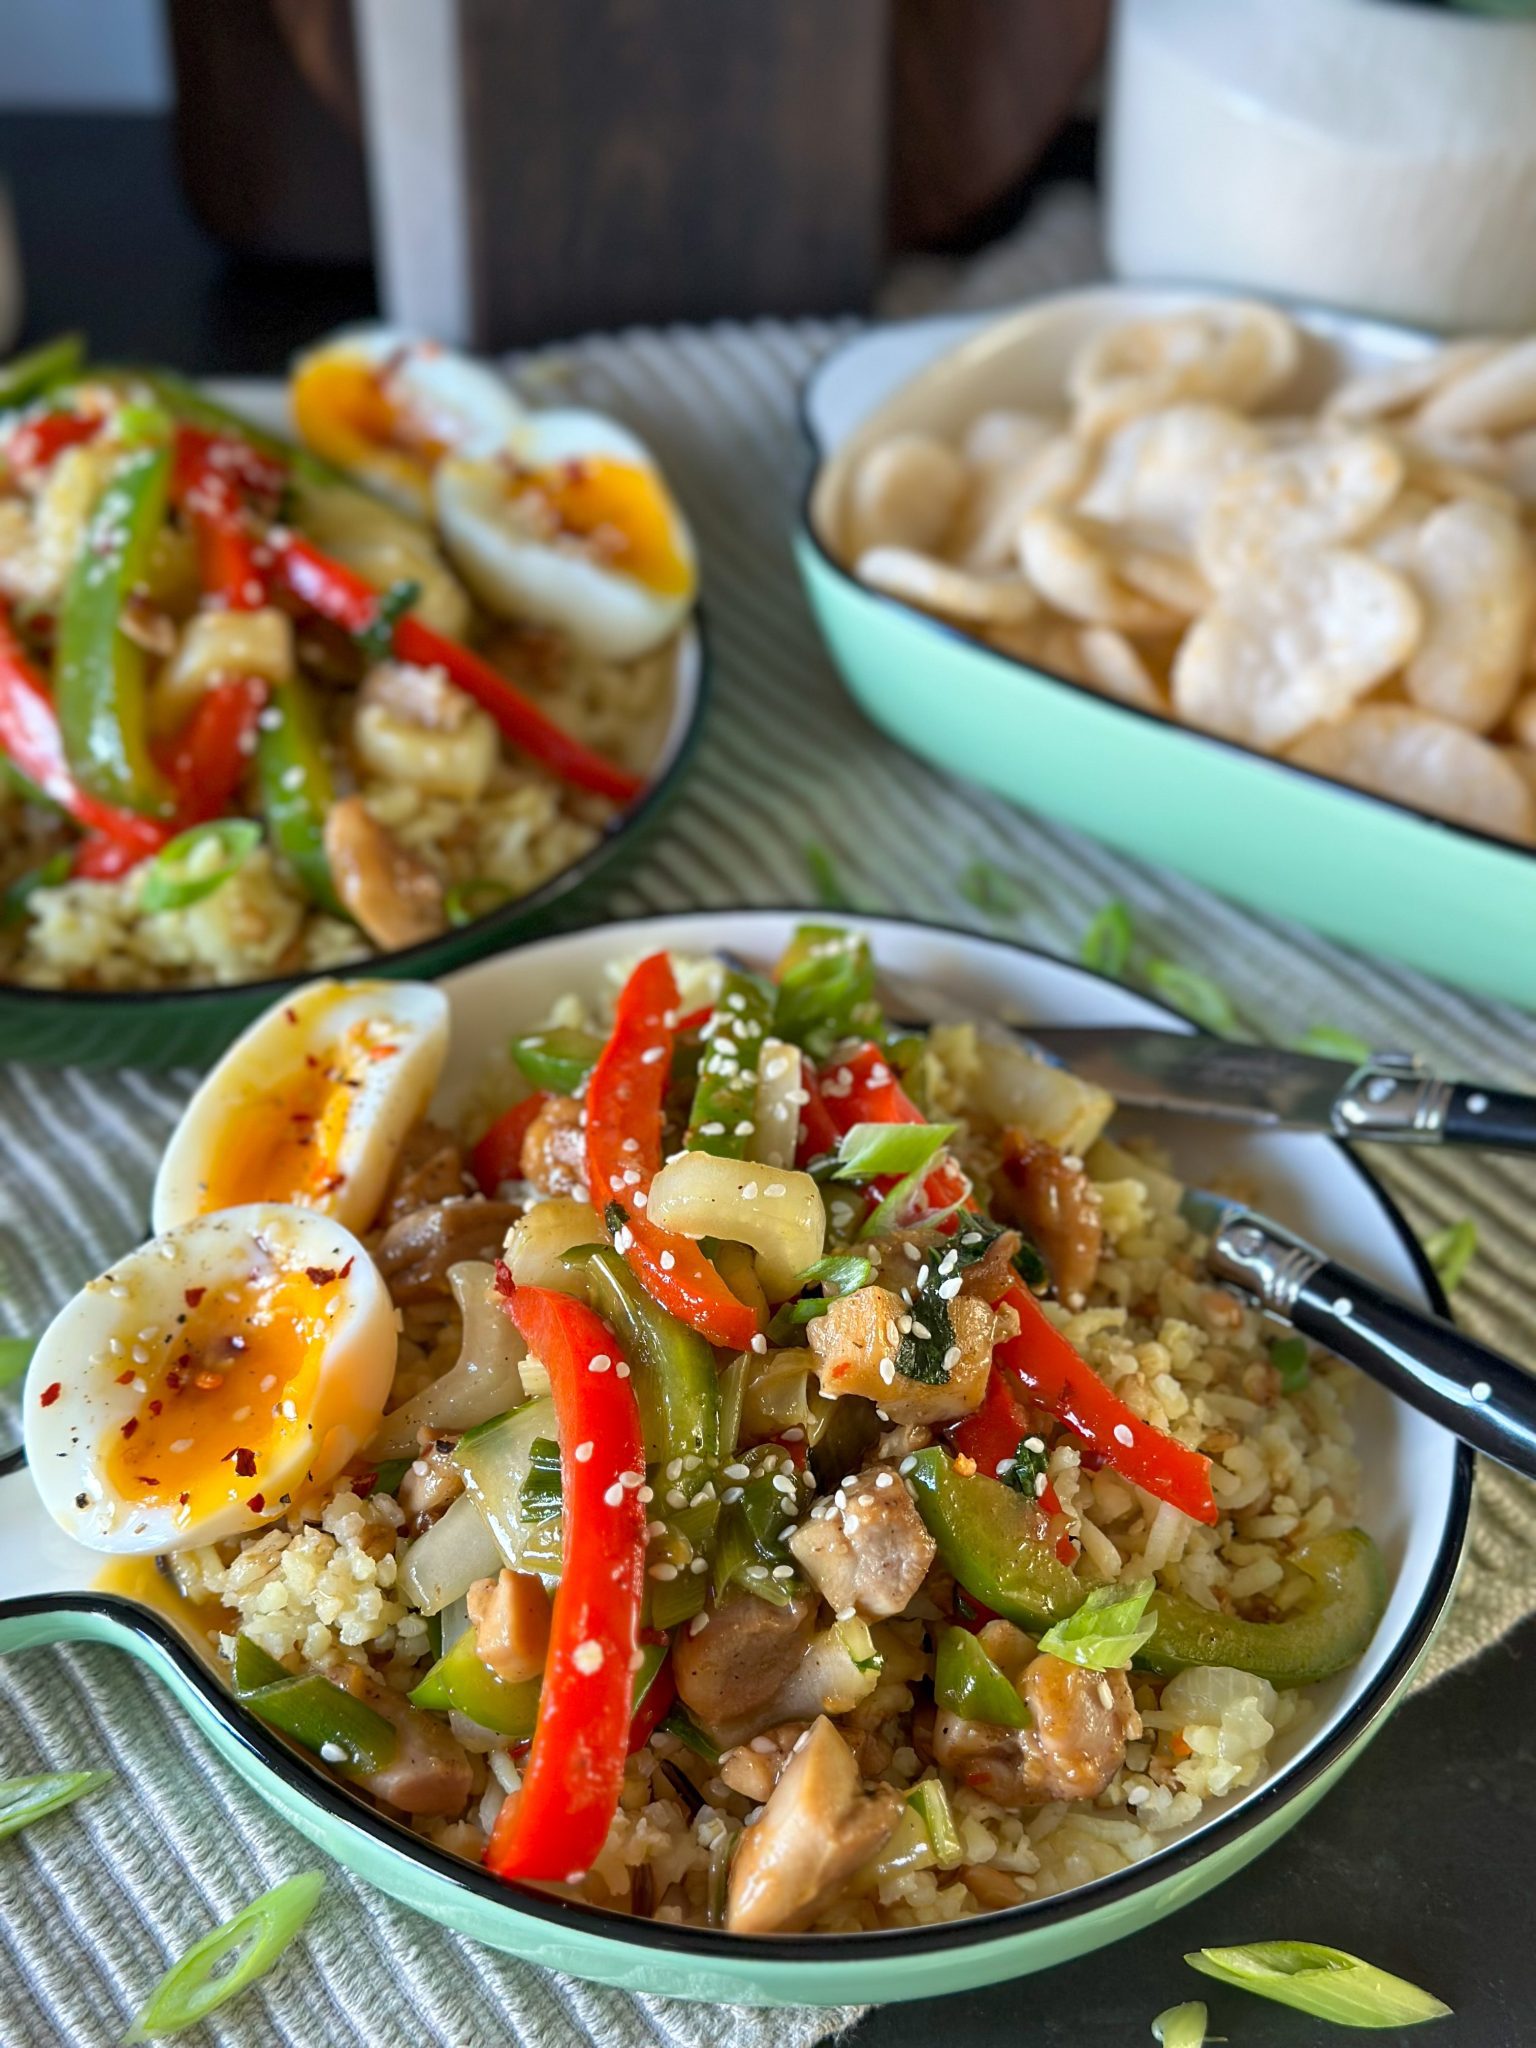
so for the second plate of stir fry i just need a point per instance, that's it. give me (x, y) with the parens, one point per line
(755, 1466)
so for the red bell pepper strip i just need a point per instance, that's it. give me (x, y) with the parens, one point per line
(318, 584)
(212, 479)
(498, 1155)
(30, 736)
(817, 1134)
(212, 754)
(1054, 1375)
(863, 1089)
(625, 1092)
(652, 1710)
(38, 443)
(558, 1823)
(990, 1438)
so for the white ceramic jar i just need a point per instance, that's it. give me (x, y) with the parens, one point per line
(1366, 153)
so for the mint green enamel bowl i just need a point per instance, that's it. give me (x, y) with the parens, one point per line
(1376, 874)
(1415, 1494)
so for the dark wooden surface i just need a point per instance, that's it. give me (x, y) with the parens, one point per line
(1424, 1858)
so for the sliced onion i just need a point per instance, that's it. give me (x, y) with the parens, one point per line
(441, 1566)
(772, 1208)
(538, 1241)
(483, 1381)
(776, 1112)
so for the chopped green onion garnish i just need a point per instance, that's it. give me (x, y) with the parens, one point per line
(1451, 1251)
(930, 1802)
(24, 1800)
(15, 1357)
(1324, 1982)
(13, 904)
(1107, 1630)
(842, 1273)
(870, 1150)
(990, 890)
(229, 1960)
(1181, 2026)
(830, 893)
(1290, 1356)
(1107, 942)
(466, 901)
(680, 1723)
(1195, 995)
(1329, 1043)
(389, 1475)
(167, 883)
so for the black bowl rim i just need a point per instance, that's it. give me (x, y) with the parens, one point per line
(493, 931)
(944, 630)
(709, 1944)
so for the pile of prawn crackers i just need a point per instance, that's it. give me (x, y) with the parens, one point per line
(1352, 588)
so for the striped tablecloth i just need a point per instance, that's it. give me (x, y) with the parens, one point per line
(95, 1904)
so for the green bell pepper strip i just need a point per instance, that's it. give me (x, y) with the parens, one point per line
(100, 674)
(825, 989)
(296, 792)
(986, 1535)
(51, 363)
(725, 1098)
(1327, 1632)
(559, 1058)
(460, 1679)
(966, 1681)
(312, 1712)
(673, 1367)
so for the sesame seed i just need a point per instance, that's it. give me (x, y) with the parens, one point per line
(582, 1453)
(759, 1343)
(699, 1565)
(332, 1753)
(948, 1289)
(613, 1496)
(599, 1362)
(588, 1657)
(1034, 1443)
(667, 1262)
(1123, 1434)
(652, 1054)
(783, 1571)
(738, 1472)
(731, 1495)
(664, 1572)
(699, 1623)
(1041, 1483)
(774, 1189)
(182, 1443)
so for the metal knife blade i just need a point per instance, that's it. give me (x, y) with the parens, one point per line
(1199, 1076)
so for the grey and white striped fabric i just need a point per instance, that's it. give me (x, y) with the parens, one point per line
(95, 1903)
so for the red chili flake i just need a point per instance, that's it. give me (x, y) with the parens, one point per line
(328, 1183)
(125, 1379)
(173, 1381)
(256, 1503)
(505, 1284)
(245, 1461)
(130, 1425)
(310, 1060)
(155, 1407)
(183, 1498)
(193, 1296)
(320, 1276)
(49, 1395)
(346, 1269)
(290, 1013)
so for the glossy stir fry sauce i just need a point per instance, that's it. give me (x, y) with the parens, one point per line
(763, 1536)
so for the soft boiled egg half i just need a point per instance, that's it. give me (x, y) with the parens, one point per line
(388, 406)
(573, 528)
(209, 1380)
(311, 1105)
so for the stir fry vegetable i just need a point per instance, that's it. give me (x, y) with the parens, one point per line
(229, 1960)
(24, 1800)
(1324, 1982)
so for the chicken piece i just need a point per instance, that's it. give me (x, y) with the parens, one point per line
(429, 1773)
(414, 1254)
(865, 1548)
(1052, 1199)
(395, 897)
(752, 1768)
(897, 1259)
(430, 1169)
(430, 1484)
(818, 1827)
(554, 1154)
(1081, 1722)
(859, 1339)
(736, 1663)
(510, 1615)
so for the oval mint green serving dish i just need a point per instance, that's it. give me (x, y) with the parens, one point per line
(1376, 874)
(1416, 1486)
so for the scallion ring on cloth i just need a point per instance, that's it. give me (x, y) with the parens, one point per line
(1451, 1251)
(466, 901)
(15, 1357)
(869, 1150)
(988, 889)
(1106, 946)
(171, 883)
(1324, 1982)
(1195, 995)
(1328, 1042)
(1107, 1630)
(1181, 2026)
(24, 1800)
(229, 1960)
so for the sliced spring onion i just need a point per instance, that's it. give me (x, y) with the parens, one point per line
(826, 989)
(390, 1473)
(931, 1803)
(842, 1273)
(1181, 2026)
(13, 904)
(558, 1058)
(1107, 1630)
(15, 1357)
(229, 1960)
(24, 1800)
(1291, 1357)
(680, 1724)
(988, 889)
(1329, 1043)
(377, 638)
(169, 883)
(1324, 1982)
(1195, 995)
(869, 1150)
(1106, 945)
(1451, 1251)
(478, 897)
(830, 893)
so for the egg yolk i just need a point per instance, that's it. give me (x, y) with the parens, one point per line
(284, 1143)
(229, 1397)
(619, 511)
(343, 409)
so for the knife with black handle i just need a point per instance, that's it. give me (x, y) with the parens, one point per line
(1484, 1398)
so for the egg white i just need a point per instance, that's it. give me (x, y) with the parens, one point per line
(276, 1068)
(76, 1397)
